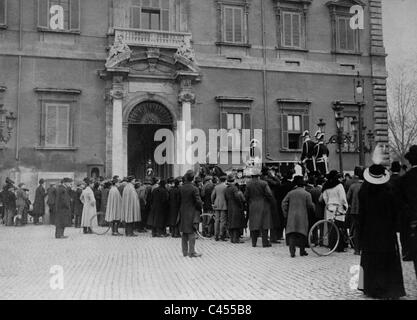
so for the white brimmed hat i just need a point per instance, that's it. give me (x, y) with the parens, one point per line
(376, 174)
(306, 133)
(320, 135)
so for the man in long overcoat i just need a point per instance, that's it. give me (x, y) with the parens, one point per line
(235, 209)
(159, 209)
(274, 184)
(408, 190)
(130, 206)
(51, 203)
(297, 206)
(190, 211)
(114, 207)
(39, 203)
(62, 208)
(220, 209)
(174, 209)
(259, 197)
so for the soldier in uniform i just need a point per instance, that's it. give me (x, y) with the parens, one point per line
(308, 152)
(321, 154)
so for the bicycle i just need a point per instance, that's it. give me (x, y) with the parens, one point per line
(324, 235)
(96, 228)
(198, 233)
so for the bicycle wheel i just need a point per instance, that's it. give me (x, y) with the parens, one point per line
(99, 229)
(323, 238)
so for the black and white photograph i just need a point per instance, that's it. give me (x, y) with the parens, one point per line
(208, 151)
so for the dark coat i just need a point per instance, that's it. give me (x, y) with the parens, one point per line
(259, 197)
(297, 206)
(380, 257)
(51, 197)
(190, 208)
(274, 184)
(62, 207)
(408, 193)
(97, 197)
(159, 208)
(9, 200)
(77, 205)
(39, 203)
(206, 192)
(104, 198)
(235, 206)
(174, 206)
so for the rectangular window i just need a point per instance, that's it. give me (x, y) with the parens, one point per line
(57, 125)
(291, 30)
(59, 15)
(233, 24)
(3, 12)
(345, 35)
(294, 121)
(150, 15)
(294, 131)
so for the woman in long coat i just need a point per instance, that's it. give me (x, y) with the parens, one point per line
(39, 203)
(235, 206)
(259, 197)
(378, 219)
(114, 207)
(297, 205)
(174, 209)
(130, 207)
(89, 209)
(159, 210)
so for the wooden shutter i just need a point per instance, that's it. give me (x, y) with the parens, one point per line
(350, 45)
(3, 12)
(287, 24)
(238, 24)
(296, 30)
(284, 131)
(228, 24)
(306, 122)
(135, 13)
(165, 20)
(63, 125)
(43, 14)
(75, 14)
(342, 33)
(223, 138)
(51, 130)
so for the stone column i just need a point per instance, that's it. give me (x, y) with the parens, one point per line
(118, 167)
(186, 98)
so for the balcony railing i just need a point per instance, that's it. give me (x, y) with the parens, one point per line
(152, 38)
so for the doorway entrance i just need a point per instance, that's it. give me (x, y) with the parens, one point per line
(144, 121)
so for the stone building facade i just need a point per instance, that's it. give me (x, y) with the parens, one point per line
(92, 81)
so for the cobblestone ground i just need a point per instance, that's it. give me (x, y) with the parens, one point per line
(106, 267)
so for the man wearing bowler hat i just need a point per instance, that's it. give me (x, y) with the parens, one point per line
(63, 208)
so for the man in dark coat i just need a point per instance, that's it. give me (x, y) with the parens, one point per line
(274, 183)
(190, 210)
(51, 203)
(174, 209)
(285, 187)
(235, 206)
(380, 256)
(39, 203)
(408, 188)
(206, 191)
(297, 206)
(259, 197)
(77, 205)
(220, 209)
(353, 201)
(62, 208)
(160, 205)
(9, 203)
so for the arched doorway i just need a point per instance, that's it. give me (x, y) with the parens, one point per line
(144, 121)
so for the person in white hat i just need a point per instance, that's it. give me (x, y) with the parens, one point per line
(308, 152)
(380, 256)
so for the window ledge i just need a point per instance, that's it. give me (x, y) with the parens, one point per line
(290, 150)
(291, 49)
(41, 148)
(347, 53)
(232, 44)
(77, 32)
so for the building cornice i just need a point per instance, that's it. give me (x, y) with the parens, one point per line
(59, 91)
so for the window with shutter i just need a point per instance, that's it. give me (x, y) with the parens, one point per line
(3, 12)
(150, 15)
(135, 15)
(295, 119)
(233, 24)
(345, 35)
(292, 31)
(57, 125)
(284, 131)
(59, 15)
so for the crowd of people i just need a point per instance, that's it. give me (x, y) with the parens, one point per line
(379, 204)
